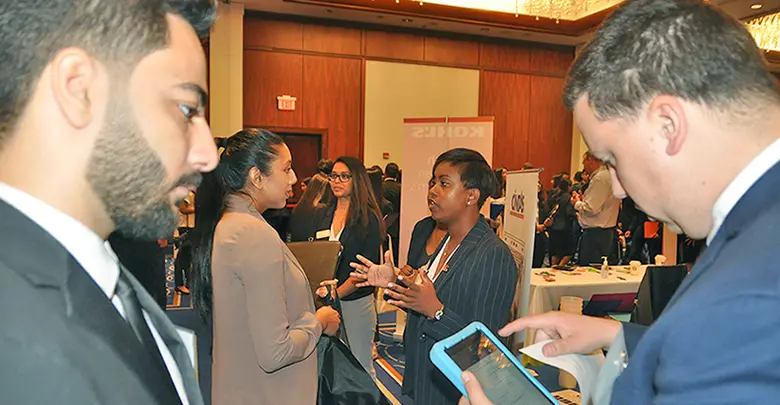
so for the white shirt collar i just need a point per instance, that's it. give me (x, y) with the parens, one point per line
(741, 184)
(92, 252)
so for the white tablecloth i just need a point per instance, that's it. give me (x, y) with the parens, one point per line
(546, 295)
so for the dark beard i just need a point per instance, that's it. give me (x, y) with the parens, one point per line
(129, 178)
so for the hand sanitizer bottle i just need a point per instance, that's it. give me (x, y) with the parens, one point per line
(604, 267)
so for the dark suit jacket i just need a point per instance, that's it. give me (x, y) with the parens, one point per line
(355, 241)
(62, 341)
(479, 286)
(716, 341)
(417, 256)
(146, 262)
(392, 192)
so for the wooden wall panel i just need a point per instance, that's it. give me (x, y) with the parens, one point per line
(266, 76)
(333, 90)
(549, 127)
(550, 61)
(504, 57)
(506, 96)
(273, 34)
(330, 39)
(392, 45)
(449, 51)
(520, 85)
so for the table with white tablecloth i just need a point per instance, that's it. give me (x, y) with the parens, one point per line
(548, 286)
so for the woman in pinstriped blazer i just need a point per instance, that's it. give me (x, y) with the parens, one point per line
(470, 277)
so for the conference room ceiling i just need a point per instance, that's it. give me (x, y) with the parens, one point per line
(463, 21)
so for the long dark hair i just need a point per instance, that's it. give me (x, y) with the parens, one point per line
(362, 203)
(317, 192)
(244, 150)
(375, 176)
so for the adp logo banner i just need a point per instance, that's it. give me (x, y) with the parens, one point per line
(517, 205)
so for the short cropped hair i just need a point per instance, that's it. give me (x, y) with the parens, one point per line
(683, 48)
(475, 173)
(116, 32)
(391, 170)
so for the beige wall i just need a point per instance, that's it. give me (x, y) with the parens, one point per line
(395, 91)
(226, 71)
(578, 148)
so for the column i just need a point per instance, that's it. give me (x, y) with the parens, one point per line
(226, 71)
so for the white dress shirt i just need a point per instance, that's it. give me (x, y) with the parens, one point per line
(741, 184)
(431, 270)
(93, 254)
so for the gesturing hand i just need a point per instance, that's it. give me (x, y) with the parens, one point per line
(420, 298)
(369, 274)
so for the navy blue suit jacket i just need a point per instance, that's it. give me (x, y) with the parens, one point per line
(717, 340)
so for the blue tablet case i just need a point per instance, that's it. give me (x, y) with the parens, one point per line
(452, 371)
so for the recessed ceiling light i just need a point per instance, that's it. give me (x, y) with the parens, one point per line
(407, 20)
(756, 6)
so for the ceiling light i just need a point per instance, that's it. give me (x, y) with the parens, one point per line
(766, 31)
(756, 6)
(407, 20)
(555, 9)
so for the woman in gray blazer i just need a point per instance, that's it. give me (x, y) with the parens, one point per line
(265, 325)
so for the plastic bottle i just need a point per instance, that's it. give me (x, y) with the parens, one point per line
(604, 267)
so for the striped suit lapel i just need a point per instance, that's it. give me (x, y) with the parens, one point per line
(464, 250)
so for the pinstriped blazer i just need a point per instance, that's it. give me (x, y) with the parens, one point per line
(479, 286)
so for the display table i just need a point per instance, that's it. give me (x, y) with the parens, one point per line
(548, 286)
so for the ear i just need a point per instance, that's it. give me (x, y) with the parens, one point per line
(73, 76)
(256, 178)
(473, 196)
(667, 115)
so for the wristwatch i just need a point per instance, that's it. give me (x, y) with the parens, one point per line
(438, 314)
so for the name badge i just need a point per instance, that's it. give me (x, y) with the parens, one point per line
(323, 234)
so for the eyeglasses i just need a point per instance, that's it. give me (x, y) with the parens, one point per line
(340, 177)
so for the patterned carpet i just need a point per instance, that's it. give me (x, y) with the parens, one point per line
(390, 364)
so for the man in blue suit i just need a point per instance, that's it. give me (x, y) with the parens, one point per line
(675, 97)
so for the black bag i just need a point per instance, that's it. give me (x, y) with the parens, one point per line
(342, 380)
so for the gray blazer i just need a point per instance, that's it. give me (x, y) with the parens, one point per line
(265, 331)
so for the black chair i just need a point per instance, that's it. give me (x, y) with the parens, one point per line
(657, 288)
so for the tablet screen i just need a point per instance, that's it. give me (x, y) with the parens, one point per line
(501, 380)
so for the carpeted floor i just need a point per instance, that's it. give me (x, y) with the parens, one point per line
(389, 366)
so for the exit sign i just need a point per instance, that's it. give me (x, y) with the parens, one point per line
(286, 103)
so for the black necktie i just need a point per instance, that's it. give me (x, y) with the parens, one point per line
(135, 317)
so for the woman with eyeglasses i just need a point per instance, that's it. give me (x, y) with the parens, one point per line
(354, 219)
(471, 276)
(266, 328)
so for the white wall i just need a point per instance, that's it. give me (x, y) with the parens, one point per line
(395, 91)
